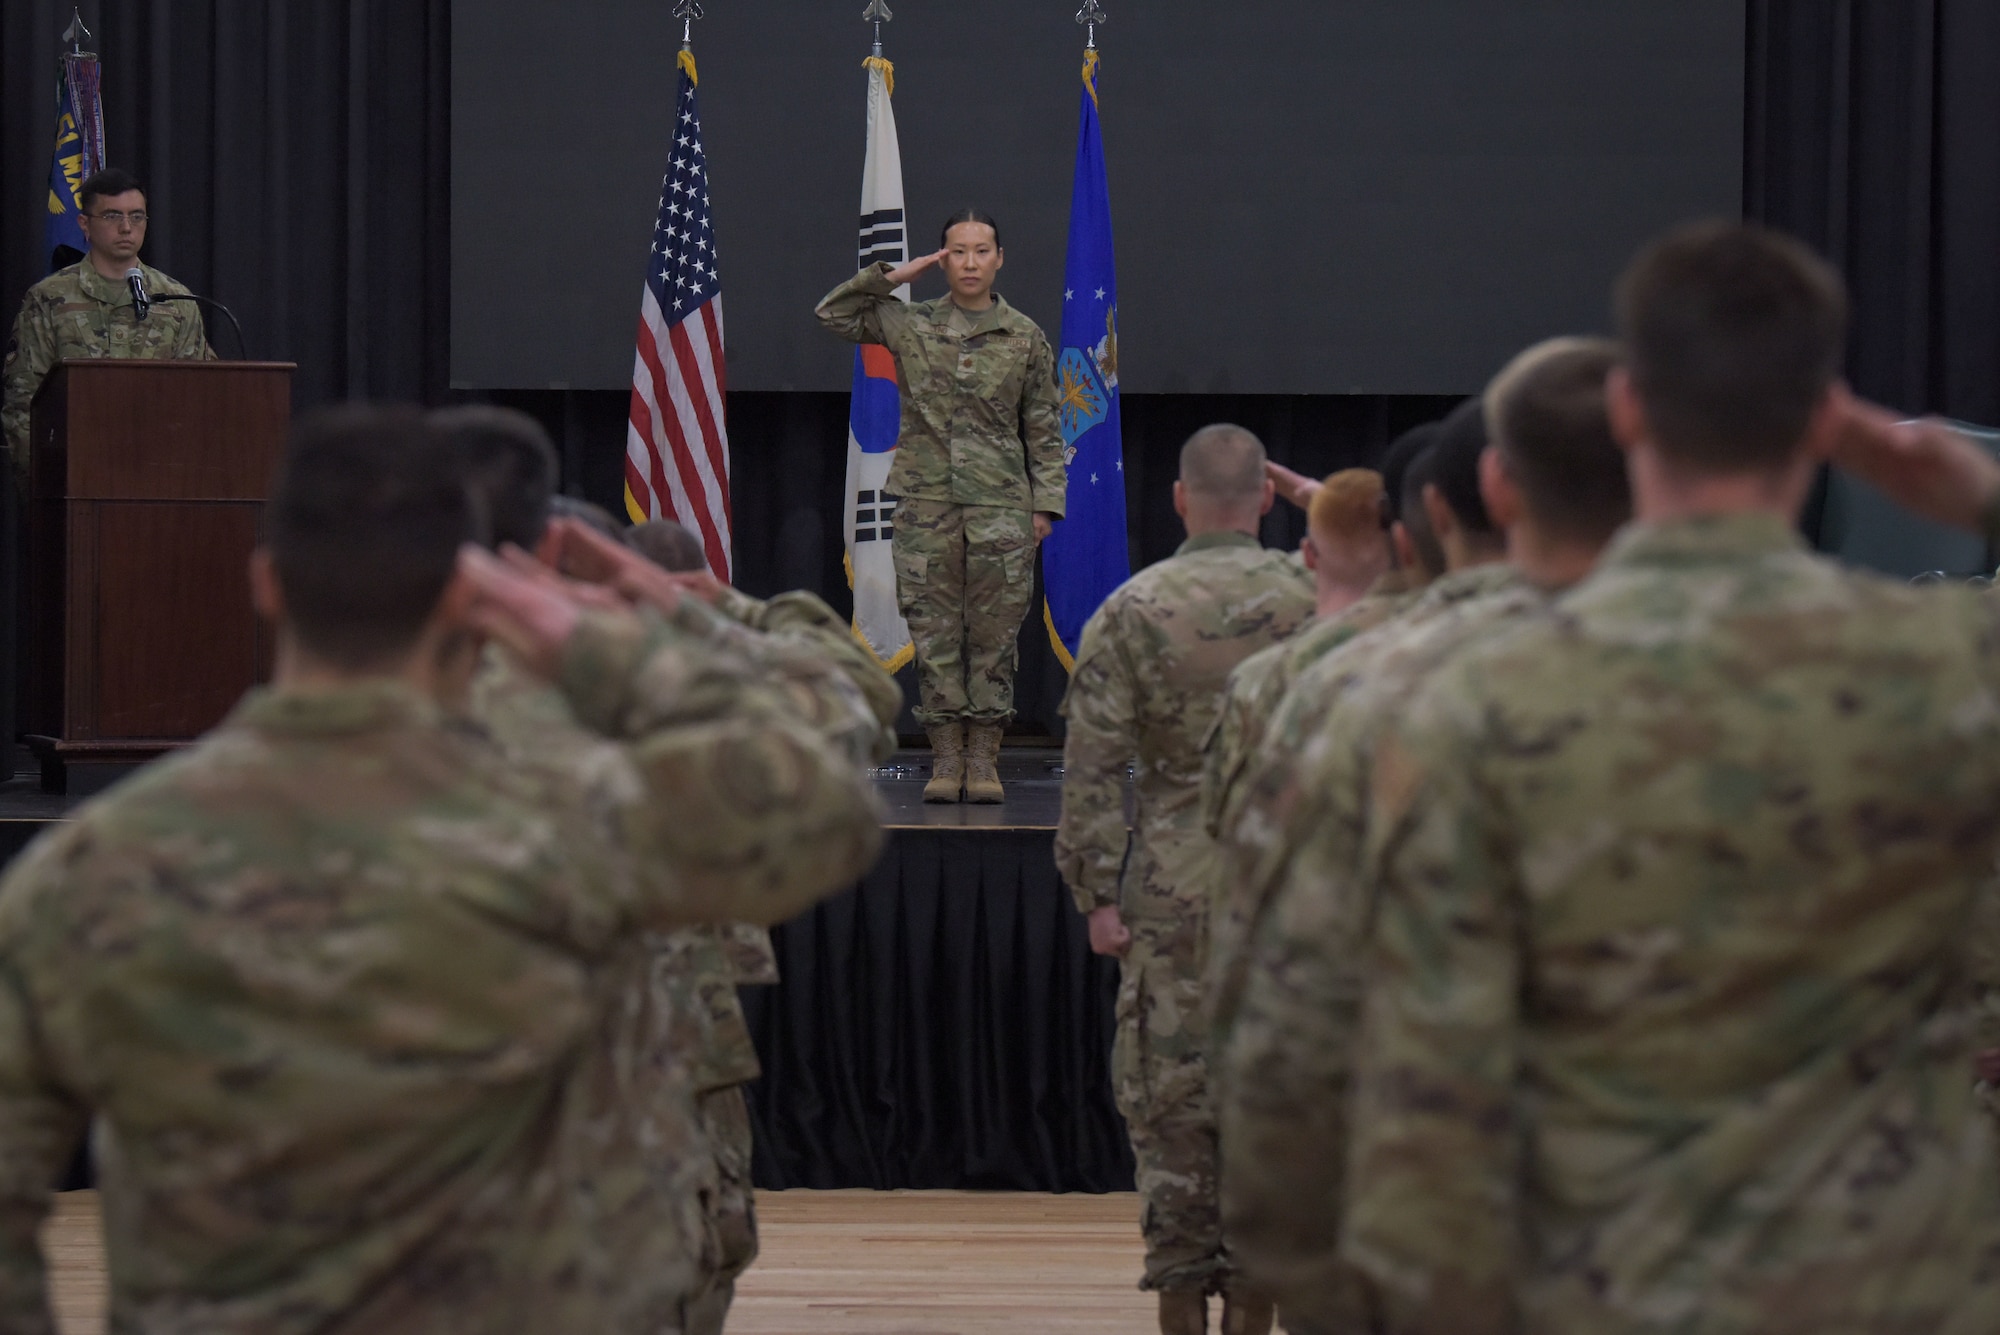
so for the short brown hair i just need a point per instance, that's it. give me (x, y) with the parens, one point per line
(104, 183)
(1547, 416)
(510, 466)
(364, 527)
(1733, 334)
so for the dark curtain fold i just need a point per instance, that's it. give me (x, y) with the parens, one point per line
(1872, 130)
(296, 163)
(942, 1025)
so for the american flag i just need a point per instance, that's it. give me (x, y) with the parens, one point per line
(676, 444)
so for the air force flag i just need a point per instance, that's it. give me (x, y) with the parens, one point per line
(1086, 557)
(874, 413)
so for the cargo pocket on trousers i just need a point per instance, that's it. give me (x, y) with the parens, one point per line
(1017, 567)
(912, 571)
(1128, 1046)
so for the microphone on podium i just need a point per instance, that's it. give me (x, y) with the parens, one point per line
(135, 278)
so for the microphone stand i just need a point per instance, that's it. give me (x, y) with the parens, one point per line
(209, 303)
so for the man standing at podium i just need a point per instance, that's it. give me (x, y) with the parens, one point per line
(91, 308)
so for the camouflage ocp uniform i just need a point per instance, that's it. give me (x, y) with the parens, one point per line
(696, 1035)
(1148, 681)
(1666, 1025)
(803, 619)
(1238, 741)
(1260, 681)
(979, 453)
(359, 1006)
(78, 312)
(788, 657)
(1277, 707)
(1285, 1018)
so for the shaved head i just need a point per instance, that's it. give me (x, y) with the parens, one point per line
(1223, 466)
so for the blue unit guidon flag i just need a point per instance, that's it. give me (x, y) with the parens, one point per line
(875, 410)
(1087, 556)
(676, 441)
(79, 152)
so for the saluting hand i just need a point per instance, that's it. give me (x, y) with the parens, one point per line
(1294, 487)
(908, 272)
(702, 585)
(523, 607)
(1926, 467)
(581, 552)
(584, 553)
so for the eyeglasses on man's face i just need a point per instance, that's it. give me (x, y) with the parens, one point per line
(114, 218)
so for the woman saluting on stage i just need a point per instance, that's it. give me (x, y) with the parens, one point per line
(979, 477)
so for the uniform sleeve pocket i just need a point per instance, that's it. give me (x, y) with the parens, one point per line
(1012, 350)
(912, 568)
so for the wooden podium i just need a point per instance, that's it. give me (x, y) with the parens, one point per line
(146, 482)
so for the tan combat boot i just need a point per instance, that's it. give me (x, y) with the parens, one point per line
(1246, 1313)
(1183, 1312)
(947, 762)
(982, 764)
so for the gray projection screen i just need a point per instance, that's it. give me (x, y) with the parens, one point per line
(1310, 196)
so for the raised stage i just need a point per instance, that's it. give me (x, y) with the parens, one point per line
(942, 1024)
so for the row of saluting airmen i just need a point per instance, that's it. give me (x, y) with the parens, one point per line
(1561, 903)
(1575, 911)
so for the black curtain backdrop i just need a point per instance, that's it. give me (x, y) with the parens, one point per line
(1873, 132)
(943, 1025)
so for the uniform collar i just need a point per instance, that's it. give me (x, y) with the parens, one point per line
(1208, 541)
(1395, 583)
(1701, 541)
(1457, 586)
(110, 291)
(984, 322)
(364, 706)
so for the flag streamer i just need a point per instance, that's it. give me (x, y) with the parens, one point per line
(79, 152)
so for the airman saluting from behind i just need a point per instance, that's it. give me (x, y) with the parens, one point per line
(1147, 685)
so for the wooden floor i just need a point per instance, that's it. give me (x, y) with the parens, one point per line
(848, 1263)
